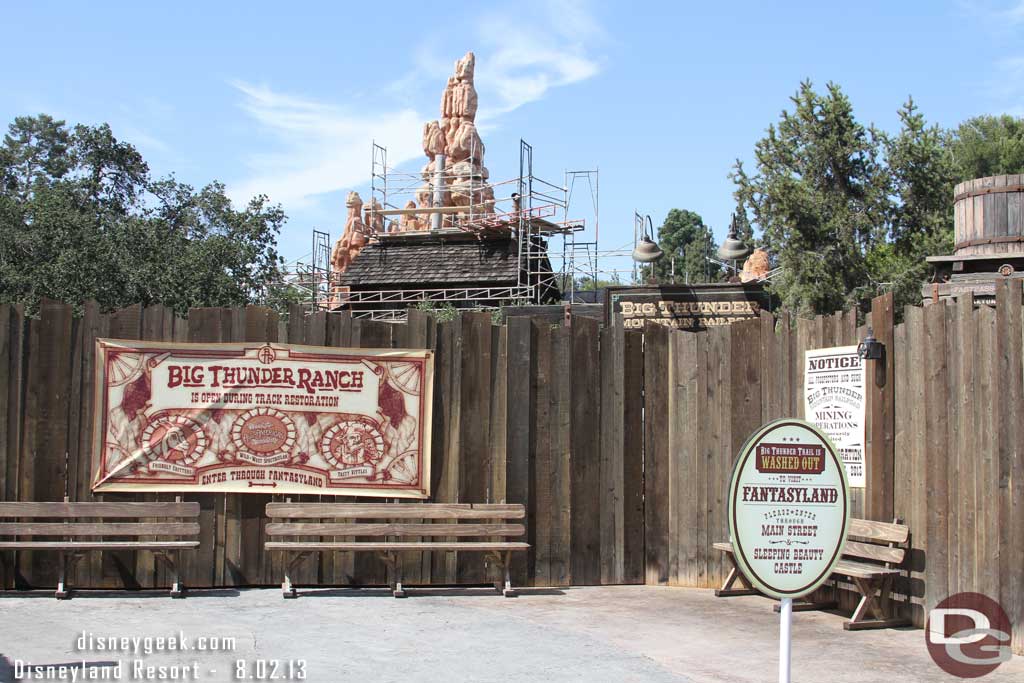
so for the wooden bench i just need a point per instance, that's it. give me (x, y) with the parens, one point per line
(872, 563)
(23, 526)
(387, 538)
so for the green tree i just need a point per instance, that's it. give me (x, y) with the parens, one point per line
(112, 174)
(589, 284)
(922, 172)
(820, 197)
(741, 224)
(34, 152)
(988, 145)
(684, 237)
(80, 218)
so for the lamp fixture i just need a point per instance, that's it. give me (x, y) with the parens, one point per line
(733, 248)
(870, 348)
(647, 250)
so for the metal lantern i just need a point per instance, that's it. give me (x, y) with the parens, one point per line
(647, 250)
(870, 348)
(733, 248)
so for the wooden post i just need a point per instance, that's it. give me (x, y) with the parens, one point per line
(936, 452)
(656, 453)
(881, 401)
(1010, 454)
(633, 529)
(520, 403)
(585, 461)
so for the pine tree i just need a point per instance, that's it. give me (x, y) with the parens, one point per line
(923, 172)
(684, 237)
(988, 145)
(819, 196)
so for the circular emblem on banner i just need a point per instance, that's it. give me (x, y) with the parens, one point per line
(352, 442)
(123, 368)
(263, 431)
(789, 508)
(174, 438)
(406, 376)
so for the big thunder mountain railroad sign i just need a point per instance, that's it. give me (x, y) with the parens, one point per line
(262, 418)
(685, 307)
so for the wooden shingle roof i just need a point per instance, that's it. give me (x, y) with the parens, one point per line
(434, 262)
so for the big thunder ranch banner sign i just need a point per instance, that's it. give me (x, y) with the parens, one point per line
(262, 418)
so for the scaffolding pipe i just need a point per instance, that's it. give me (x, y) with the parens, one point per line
(435, 219)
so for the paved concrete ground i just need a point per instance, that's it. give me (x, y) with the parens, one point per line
(628, 633)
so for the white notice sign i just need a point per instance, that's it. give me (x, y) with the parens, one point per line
(834, 400)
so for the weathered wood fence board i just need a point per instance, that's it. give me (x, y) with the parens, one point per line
(619, 443)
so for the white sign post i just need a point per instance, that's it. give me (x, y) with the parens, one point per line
(789, 510)
(835, 401)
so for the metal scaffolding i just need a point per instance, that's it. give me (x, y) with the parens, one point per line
(309, 277)
(555, 228)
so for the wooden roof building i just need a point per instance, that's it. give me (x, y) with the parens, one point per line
(464, 270)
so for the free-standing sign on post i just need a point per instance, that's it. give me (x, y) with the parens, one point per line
(789, 511)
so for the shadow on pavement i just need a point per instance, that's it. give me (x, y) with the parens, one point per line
(113, 594)
(414, 592)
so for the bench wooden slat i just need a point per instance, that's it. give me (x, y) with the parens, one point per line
(97, 545)
(862, 570)
(855, 549)
(365, 529)
(399, 545)
(99, 529)
(885, 532)
(385, 511)
(868, 551)
(98, 509)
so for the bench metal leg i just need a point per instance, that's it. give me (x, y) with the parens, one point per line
(734, 575)
(287, 590)
(62, 592)
(173, 562)
(67, 563)
(395, 569)
(504, 561)
(508, 592)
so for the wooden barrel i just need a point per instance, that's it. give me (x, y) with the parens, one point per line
(989, 215)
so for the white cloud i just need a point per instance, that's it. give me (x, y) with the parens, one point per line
(521, 60)
(321, 147)
(143, 140)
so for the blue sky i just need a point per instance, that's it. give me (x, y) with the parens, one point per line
(285, 98)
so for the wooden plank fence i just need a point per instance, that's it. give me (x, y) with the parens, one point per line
(620, 443)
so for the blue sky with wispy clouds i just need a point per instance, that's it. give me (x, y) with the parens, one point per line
(285, 98)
